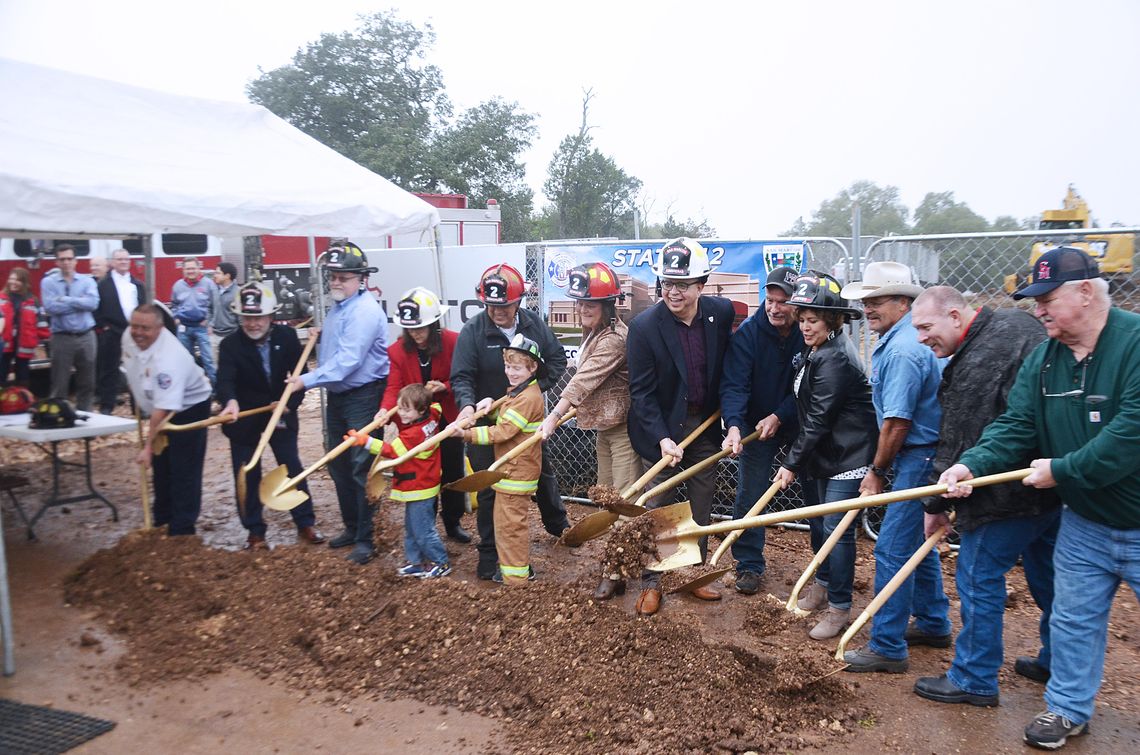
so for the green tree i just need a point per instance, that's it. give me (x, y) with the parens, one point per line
(881, 213)
(939, 213)
(368, 94)
(672, 228)
(589, 193)
(1008, 223)
(479, 155)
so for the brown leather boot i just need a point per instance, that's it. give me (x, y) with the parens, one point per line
(705, 593)
(649, 602)
(255, 543)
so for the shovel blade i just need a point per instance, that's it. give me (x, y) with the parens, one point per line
(158, 444)
(701, 581)
(476, 481)
(378, 485)
(588, 528)
(675, 547)
(276, 494)
(632, 510)
(677, 554)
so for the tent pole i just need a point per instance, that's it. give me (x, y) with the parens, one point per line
(148, 257)
(317, 296)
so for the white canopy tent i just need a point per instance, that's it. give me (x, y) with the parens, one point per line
(85, 157)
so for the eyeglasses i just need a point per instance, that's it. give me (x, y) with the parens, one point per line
(1065, 394)
(667, 285)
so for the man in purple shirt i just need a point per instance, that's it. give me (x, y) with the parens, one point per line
(676, 354)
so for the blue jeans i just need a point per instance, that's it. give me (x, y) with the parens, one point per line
(900, 535)
(837, 572)
(754, 476)
(197, 335)
(1090, 560)
(986, 555)
(352, 409)
(421, 539)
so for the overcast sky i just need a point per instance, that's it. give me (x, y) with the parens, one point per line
(747, 114)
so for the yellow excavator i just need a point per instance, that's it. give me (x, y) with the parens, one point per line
(1113, 252)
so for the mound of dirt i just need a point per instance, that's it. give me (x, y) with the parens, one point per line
(630, 548)
(563, 673)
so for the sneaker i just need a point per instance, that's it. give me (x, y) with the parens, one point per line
(436, 571)
(361, 554)
(411, 570)
(343, 540)
(834, 621)
(815, 599)
(865, 659)
(1031, 668)
(1049, 730)
(747, 582)
(915, 636)
(498, 578)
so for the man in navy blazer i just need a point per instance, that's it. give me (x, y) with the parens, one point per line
(253, 364)
(675, 354)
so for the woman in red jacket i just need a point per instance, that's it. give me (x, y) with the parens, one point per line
(423, 355)
(20, 313)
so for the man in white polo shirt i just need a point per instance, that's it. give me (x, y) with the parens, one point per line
(168, 384)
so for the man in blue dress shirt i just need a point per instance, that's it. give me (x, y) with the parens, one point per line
(353, 369)
(71, 300)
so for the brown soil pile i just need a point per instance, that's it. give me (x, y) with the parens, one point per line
(631, 546)
(563, 673)
(605, 495)
(801, 662)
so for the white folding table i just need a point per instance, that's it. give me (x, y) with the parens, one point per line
(15, 426)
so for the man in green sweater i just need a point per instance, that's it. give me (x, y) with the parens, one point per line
(1076, 401)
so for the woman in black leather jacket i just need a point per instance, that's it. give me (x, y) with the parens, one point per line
(837, 436)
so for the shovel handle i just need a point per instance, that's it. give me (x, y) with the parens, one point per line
(340, 448)
(280, 408)
(817, 559)
(144, 485)
(894, 583)
(168, 427)
(447, 432)
(757, 507)
(837, 507)
(522, 447)
(642, 481)
(692, 471)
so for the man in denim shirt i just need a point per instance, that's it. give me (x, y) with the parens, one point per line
(905, 376)
(192, 302)
(71, 300)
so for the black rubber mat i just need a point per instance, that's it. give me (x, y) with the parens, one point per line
(35, 729)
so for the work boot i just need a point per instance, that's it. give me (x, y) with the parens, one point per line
(815, 599)
(649, 601)
(915, 636)
(941, 690)
(834, 621)
(309, 535)
(1031, 668)
(865, 659)
(608, 588)
(457, 533)
(343, 540)
(255, 543)
(362, 553)
(705, 593)
(747, 582)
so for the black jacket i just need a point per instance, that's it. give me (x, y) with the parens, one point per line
(838, 431)
(758, 376)
(658, 384)
(477, 364)
(109, 313)
(975, 387)
(241, 377)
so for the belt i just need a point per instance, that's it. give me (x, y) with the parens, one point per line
(192, 323)
(919, 445)
(71, 332)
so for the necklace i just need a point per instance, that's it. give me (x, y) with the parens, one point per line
(425, 360)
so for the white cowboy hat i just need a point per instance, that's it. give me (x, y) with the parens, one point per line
(883, 279)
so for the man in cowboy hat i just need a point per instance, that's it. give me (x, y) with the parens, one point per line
(904, 382)
(1075, 404)
(252, 366)
(675, 353)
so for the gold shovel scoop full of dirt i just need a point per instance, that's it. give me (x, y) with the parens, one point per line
(678, 535)
(379, 482)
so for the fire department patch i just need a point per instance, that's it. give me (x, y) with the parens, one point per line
(164, 380)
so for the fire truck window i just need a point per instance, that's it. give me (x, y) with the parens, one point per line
(45, 247)
(183, 244)
(133, 246)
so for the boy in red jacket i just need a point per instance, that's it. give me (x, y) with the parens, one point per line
(519, 418)
(415, 482)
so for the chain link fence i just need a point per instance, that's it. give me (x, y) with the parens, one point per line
(572, 451)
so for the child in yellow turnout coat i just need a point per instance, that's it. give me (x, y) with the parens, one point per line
(518, 419)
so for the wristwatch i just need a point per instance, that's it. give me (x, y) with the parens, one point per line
(879, 471)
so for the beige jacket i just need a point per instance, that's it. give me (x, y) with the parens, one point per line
(600, 386)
